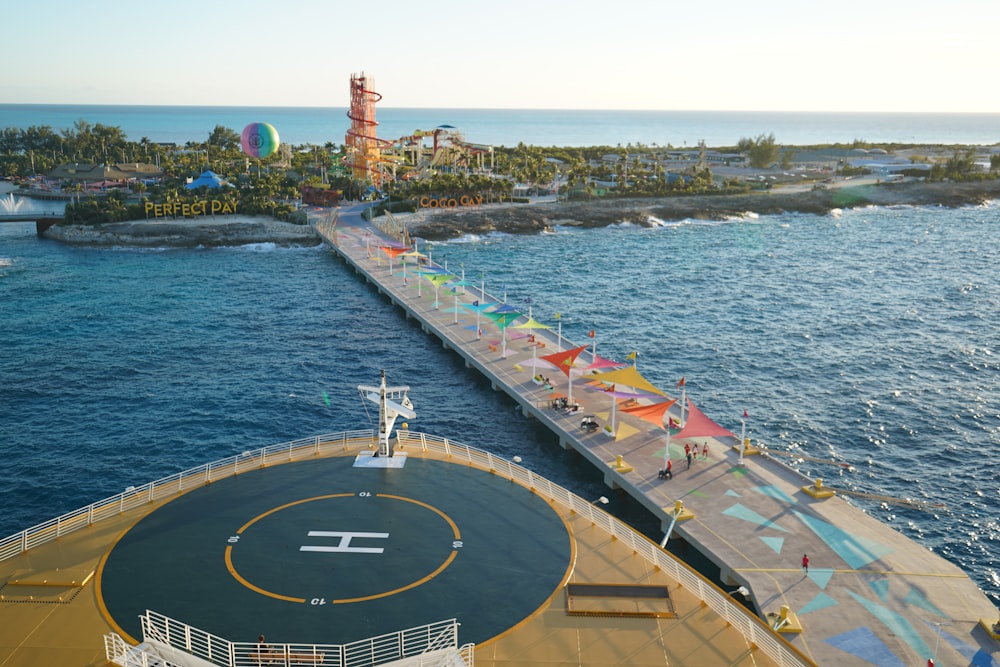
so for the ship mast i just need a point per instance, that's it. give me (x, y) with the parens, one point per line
(392, 402)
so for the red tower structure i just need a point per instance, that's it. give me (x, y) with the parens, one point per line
(364, 154)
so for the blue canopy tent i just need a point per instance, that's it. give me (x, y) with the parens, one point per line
(209, 179)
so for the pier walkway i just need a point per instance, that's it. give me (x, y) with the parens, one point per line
(869, 596)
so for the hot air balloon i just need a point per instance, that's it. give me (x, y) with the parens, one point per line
(259, 140)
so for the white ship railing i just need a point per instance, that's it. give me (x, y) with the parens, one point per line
(754, 629)
(425, 645)
(137, 496)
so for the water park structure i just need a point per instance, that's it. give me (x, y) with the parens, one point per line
(375, 160)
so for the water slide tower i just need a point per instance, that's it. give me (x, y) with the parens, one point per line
(364, 154)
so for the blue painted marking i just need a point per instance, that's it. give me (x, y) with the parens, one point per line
(821, 576)
(774, 542)
(730, 492)
(856, 551)
(776, 493)
(899, 625)
(821, 601)
(738, 511)
(863, 643)
(917, 599)
(881, 587)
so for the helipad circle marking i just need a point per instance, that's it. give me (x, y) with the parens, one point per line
(456, 533)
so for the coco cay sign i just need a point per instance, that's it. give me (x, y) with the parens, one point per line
(188, 209)
(449, 202)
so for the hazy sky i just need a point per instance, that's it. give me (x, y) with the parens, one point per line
(801, 55)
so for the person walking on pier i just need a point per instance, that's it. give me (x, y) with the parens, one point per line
(805, 563)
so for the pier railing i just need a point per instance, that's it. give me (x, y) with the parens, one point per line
(713, 597)
(137, 496)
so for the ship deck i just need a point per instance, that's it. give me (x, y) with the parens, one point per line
(320, 547)
(871, 596)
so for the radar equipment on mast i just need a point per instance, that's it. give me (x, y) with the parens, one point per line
(392, 402)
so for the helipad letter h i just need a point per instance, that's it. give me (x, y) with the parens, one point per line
(344, 547)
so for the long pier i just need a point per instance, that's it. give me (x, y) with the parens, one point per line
(42, 220)
(867, 595)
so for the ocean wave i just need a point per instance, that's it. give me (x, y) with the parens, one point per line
(476, 238)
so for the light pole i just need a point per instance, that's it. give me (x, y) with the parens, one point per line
(937, 641)
(743, 436)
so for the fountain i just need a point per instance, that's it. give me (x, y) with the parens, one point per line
(10, 204)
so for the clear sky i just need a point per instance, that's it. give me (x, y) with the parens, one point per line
(801, 55)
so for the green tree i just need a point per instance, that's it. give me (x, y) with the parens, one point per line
(761, 152)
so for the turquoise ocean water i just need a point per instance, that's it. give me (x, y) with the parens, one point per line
(868, 337)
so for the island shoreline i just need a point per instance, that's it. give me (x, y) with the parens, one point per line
(536, 217)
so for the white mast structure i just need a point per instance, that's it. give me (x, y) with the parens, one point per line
(392, 402)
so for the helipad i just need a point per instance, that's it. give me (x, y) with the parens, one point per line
(322, 551)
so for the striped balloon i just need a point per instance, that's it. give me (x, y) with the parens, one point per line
(259, 139)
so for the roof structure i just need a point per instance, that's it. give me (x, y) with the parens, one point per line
(77, 171)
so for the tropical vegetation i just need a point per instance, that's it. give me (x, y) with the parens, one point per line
(273, 185)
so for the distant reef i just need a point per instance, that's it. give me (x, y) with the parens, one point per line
(441, 224)
(203, 232)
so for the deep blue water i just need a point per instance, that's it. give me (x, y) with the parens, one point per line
(508, 127)
(867, 337)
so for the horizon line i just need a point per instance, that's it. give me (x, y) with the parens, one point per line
(494, 109)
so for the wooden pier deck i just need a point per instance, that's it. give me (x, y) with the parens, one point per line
(871, 596)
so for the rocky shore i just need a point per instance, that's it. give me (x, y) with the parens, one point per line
(443, 224)
(204, 232)
(440, 224)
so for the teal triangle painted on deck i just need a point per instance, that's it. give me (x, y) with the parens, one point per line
(881, 587)
(776, 493)
(821, 576)
(856, 551)
(917, 599)
(774, 542)
(821, 601)
(864, 644)
(730, 492)
(738, 511)
(899, 625)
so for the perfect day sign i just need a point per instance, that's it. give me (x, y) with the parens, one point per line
(189, 209)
